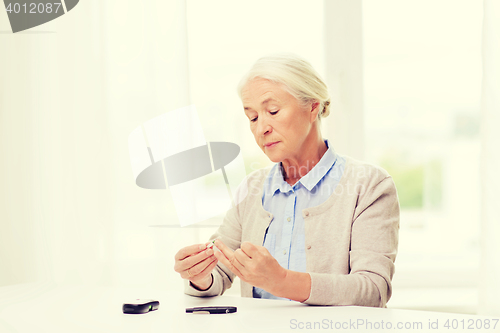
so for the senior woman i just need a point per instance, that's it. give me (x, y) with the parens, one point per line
(317, 227)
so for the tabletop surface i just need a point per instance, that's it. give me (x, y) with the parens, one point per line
(49, 308)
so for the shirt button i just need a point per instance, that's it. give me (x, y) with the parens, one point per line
(308, 247)
(284, 251)
(288, 219)
(306, 213)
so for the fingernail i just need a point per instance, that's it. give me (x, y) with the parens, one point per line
(202, 246)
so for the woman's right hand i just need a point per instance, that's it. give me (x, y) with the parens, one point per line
(195, 263)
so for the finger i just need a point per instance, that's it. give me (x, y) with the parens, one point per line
(195, 259)
(240, 257)
(196, 271)
(189, 250)
(191, 261)
(223, 248)
(239, 261)
(228, 263)
(209, 268)
(226, 256)
(249, 249)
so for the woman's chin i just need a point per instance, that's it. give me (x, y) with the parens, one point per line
(275, 158)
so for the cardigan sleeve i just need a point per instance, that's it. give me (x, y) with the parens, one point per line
(373, 248)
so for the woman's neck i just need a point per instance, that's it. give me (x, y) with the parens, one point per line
(294, 169)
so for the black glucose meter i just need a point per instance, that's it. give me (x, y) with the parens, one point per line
(139, 306)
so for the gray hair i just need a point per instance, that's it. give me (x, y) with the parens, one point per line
(297, 75)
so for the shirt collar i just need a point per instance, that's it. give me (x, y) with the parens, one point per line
(312, 178)
(276, 181)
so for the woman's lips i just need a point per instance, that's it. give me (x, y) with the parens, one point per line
(271, 145)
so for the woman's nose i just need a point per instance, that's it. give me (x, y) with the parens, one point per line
(264, 128)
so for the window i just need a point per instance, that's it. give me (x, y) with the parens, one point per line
(422, 81)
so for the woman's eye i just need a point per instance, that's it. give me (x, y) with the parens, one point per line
(253, 120)
(273, 112)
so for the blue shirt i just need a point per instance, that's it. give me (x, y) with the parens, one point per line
(285, 237)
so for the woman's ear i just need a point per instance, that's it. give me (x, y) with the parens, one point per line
(314, 110)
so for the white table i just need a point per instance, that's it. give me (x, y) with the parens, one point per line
(37, 308)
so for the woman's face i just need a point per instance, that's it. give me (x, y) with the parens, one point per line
(280, 124)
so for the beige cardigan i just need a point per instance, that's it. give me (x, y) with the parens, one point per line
(351, 239)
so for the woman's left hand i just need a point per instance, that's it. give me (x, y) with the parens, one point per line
(252, 264)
